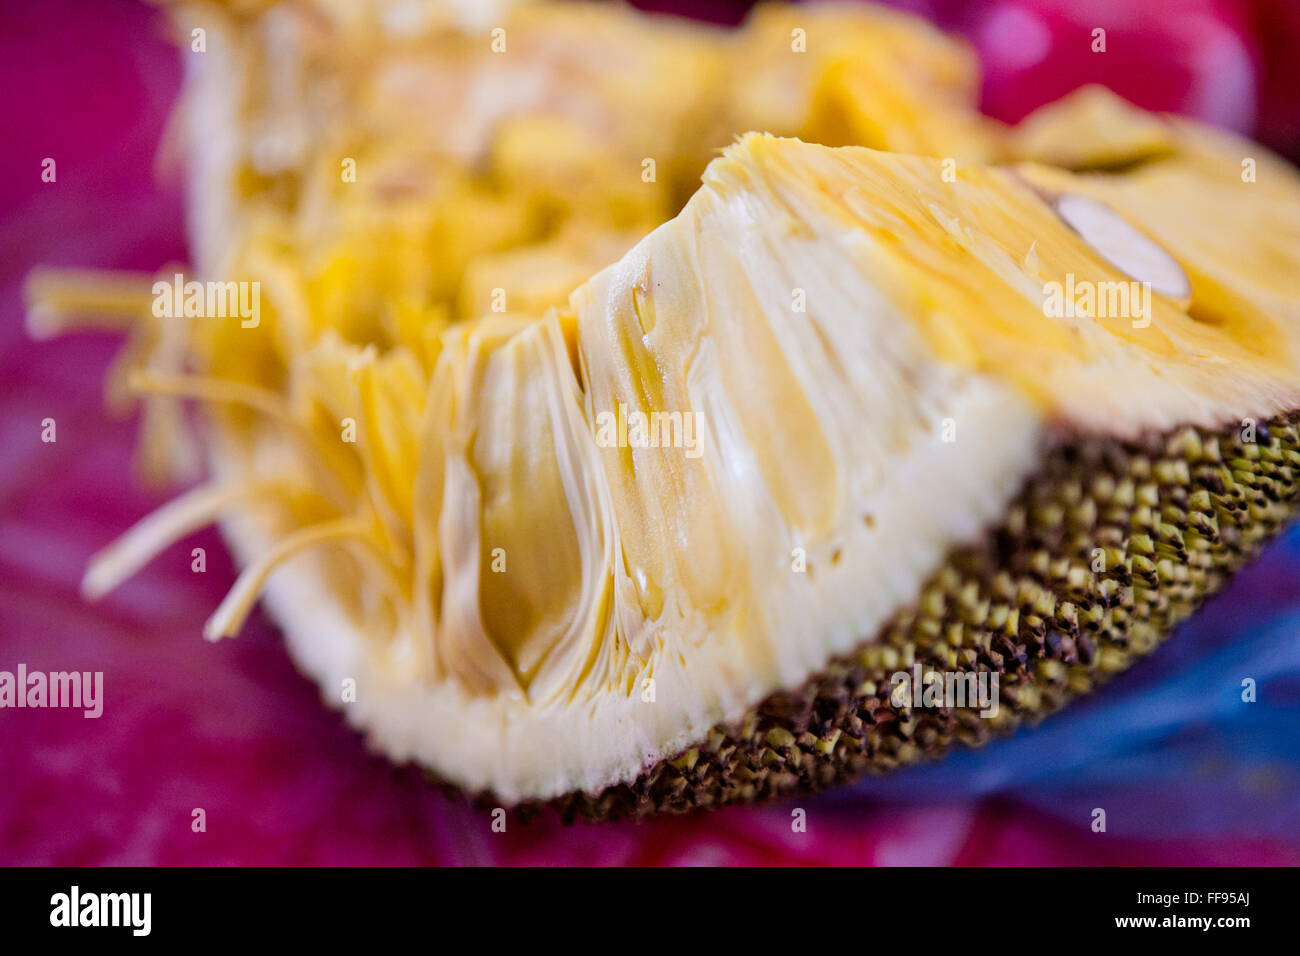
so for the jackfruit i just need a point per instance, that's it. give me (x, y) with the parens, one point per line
(667, 543)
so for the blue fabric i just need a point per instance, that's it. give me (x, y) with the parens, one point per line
(1169, 748)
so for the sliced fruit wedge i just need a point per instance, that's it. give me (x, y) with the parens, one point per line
(672, 545)
(712, 523)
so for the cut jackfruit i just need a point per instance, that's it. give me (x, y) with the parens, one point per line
(666, 543)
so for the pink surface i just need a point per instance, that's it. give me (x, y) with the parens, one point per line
(232, 728)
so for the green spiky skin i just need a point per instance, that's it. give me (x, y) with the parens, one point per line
(1174, 516)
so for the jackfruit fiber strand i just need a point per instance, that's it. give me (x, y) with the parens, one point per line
(1168, 748)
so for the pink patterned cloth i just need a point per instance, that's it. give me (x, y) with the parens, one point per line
(232, 728)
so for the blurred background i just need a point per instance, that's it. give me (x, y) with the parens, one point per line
(1186, 772)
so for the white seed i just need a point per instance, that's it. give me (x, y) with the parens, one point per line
(1125, 247)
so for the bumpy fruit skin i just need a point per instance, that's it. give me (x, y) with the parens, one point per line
(1174, 516)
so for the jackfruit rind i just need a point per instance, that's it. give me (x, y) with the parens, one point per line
(1170, 518)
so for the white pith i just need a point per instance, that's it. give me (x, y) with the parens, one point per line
(941, 494)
